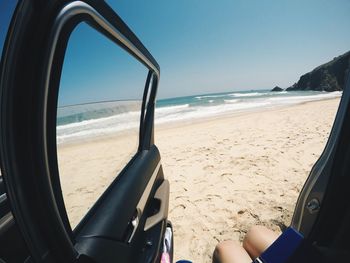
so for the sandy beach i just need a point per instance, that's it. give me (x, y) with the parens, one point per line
(226, 174)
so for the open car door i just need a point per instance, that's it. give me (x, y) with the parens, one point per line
(322, 211)
(127, 222)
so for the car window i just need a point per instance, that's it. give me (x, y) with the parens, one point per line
(7, 8)
(98, 117)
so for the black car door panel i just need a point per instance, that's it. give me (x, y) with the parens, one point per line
(127, 222)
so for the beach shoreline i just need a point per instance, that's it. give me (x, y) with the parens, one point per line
(226, 173)
(100, 120)
(229, 115)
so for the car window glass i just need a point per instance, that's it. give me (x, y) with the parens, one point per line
(98, 117)
(7, 8)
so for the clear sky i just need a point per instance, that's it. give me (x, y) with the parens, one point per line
(210, 46)
(6, 9)
(206, 46)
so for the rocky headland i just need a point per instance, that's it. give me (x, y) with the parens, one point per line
(330, 76)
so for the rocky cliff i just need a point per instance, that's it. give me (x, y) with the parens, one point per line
(327, 77)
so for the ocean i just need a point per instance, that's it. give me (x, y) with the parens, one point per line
(85, 121)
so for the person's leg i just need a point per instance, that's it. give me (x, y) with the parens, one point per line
(258, 239)
(230, 252)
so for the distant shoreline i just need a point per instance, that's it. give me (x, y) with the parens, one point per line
(86, 121)
(237, 114)
(184, 123)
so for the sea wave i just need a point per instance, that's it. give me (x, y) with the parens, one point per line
(172, 108)
(127, 121)
(251, 94)
(209, 111)
(116, 118)
(109, 125)
(210, 96)
(301, 98)
(232, 101)
(102, 126)
(95, 132)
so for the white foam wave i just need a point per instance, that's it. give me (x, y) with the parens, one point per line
(102, 126)
(108, 125)
(237, 105)
(172, 108)
(305, 98)
(96, 132)
(210, 96)
(232, 101)
(251, 94)
(209, 111)
(119, 117)
(130, 120)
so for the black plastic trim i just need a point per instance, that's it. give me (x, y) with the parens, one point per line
(113, 202)
(317, 182)
(27, 126)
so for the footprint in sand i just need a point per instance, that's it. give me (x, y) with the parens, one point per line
(178, 206)
(207, 167)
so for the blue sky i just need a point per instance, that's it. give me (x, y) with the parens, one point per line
(6, 9)
(209, 46)
(206, 46)
(96, 69)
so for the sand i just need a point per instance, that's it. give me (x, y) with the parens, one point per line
(87, 169)
(226, 174)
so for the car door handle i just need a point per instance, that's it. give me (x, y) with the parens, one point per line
(162, 194)
(134, 223)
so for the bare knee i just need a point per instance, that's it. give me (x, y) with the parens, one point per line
(222, 248)
(254, 233)
(230, 252)
(225, 245)
(258, 239)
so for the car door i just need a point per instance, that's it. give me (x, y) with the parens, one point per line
(311, 197)
(322, 210)
(127, 222)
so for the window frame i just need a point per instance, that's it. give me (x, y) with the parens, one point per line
(67, 20)
(44, 30)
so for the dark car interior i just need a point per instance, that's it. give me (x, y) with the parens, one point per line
(128, 221)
